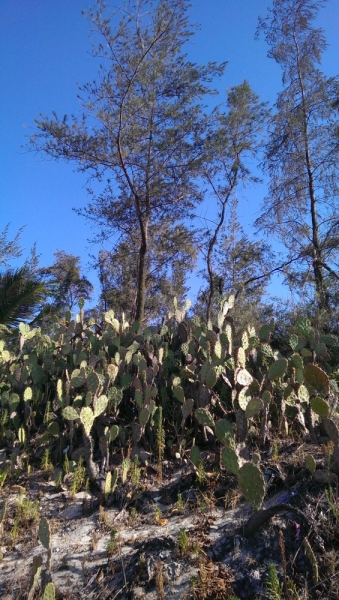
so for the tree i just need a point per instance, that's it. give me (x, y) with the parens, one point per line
(20, 296)
(138, 126)
(9, 249)
(239, 268)
(301, 155)
(232, 142)
(64, 282)
(172, 253)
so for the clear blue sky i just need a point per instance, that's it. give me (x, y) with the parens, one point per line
(45, 51)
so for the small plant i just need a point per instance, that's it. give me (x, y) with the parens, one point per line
(184, 542)
(112, 544)
(157, 515)
(66, 464)
(273, 585)
(160, 442)
(78, 478)
(46, 464)
(133, 513)
(275, 452)
(180, 504)
(332, 503)
(159, 581)
(3, 475)
(135, 472)
(58, 481)
(201, 473)
(15, 529)
(27, 510)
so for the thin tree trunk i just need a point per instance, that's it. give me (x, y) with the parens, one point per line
(213, 242)
(322, 296)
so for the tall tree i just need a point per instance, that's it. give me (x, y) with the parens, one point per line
(138, 125)
(65, 283)
(231, 145)
(301, 156)
(240, 266)
(172, 254)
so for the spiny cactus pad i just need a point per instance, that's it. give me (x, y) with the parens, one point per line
(204, 417)
(195, 455)
(100, 405)
(230, 460)
(179, 393)
(277, 369)
(331, 430)
(224, 432)
(187, 408)
(253, 407)
(310, 463)
(49, 592)
(87, 418)
(316, 379)
(252, 484)
(45, 533)
(144, 416)
(70, 413)
(320, 407)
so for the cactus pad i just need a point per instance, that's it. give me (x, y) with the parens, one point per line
(224, 432)
(230, 460)
(241, 358)
(108, 485)
(179, 393)
(320, 407)
(49, 592)
(244, 397)
(100, 405)
(316, 379)
(211, 379)
(87, 418)
(195, 455)
(303, 394)
(144, 416)
(45, 533)
(310, 463)
(187, 408)
(70, 413)
(113, 432)
(277, 369)
(204, 417)
(331, 430)
(243, 377)
(266, 398)
(252, 484)
(253, 407)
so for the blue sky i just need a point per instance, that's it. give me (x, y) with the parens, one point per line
(45, 51)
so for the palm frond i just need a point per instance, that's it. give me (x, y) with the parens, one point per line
(20, 296)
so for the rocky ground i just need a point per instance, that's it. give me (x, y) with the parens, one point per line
(190, 536)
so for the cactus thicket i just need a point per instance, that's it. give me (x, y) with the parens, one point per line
(108, 388)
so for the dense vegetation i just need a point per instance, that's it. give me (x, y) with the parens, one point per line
(142, 370)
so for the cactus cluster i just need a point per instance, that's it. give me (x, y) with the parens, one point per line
(103, 387)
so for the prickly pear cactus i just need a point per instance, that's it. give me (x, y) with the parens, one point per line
(49, 592)
(224, 432)
(230, 460)
(204, 417)
(45, 533)
(320, 407)
(100, 405)
(108, 485)
(252, 484)
(310, 463)
(195, 455)
(87, 419)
